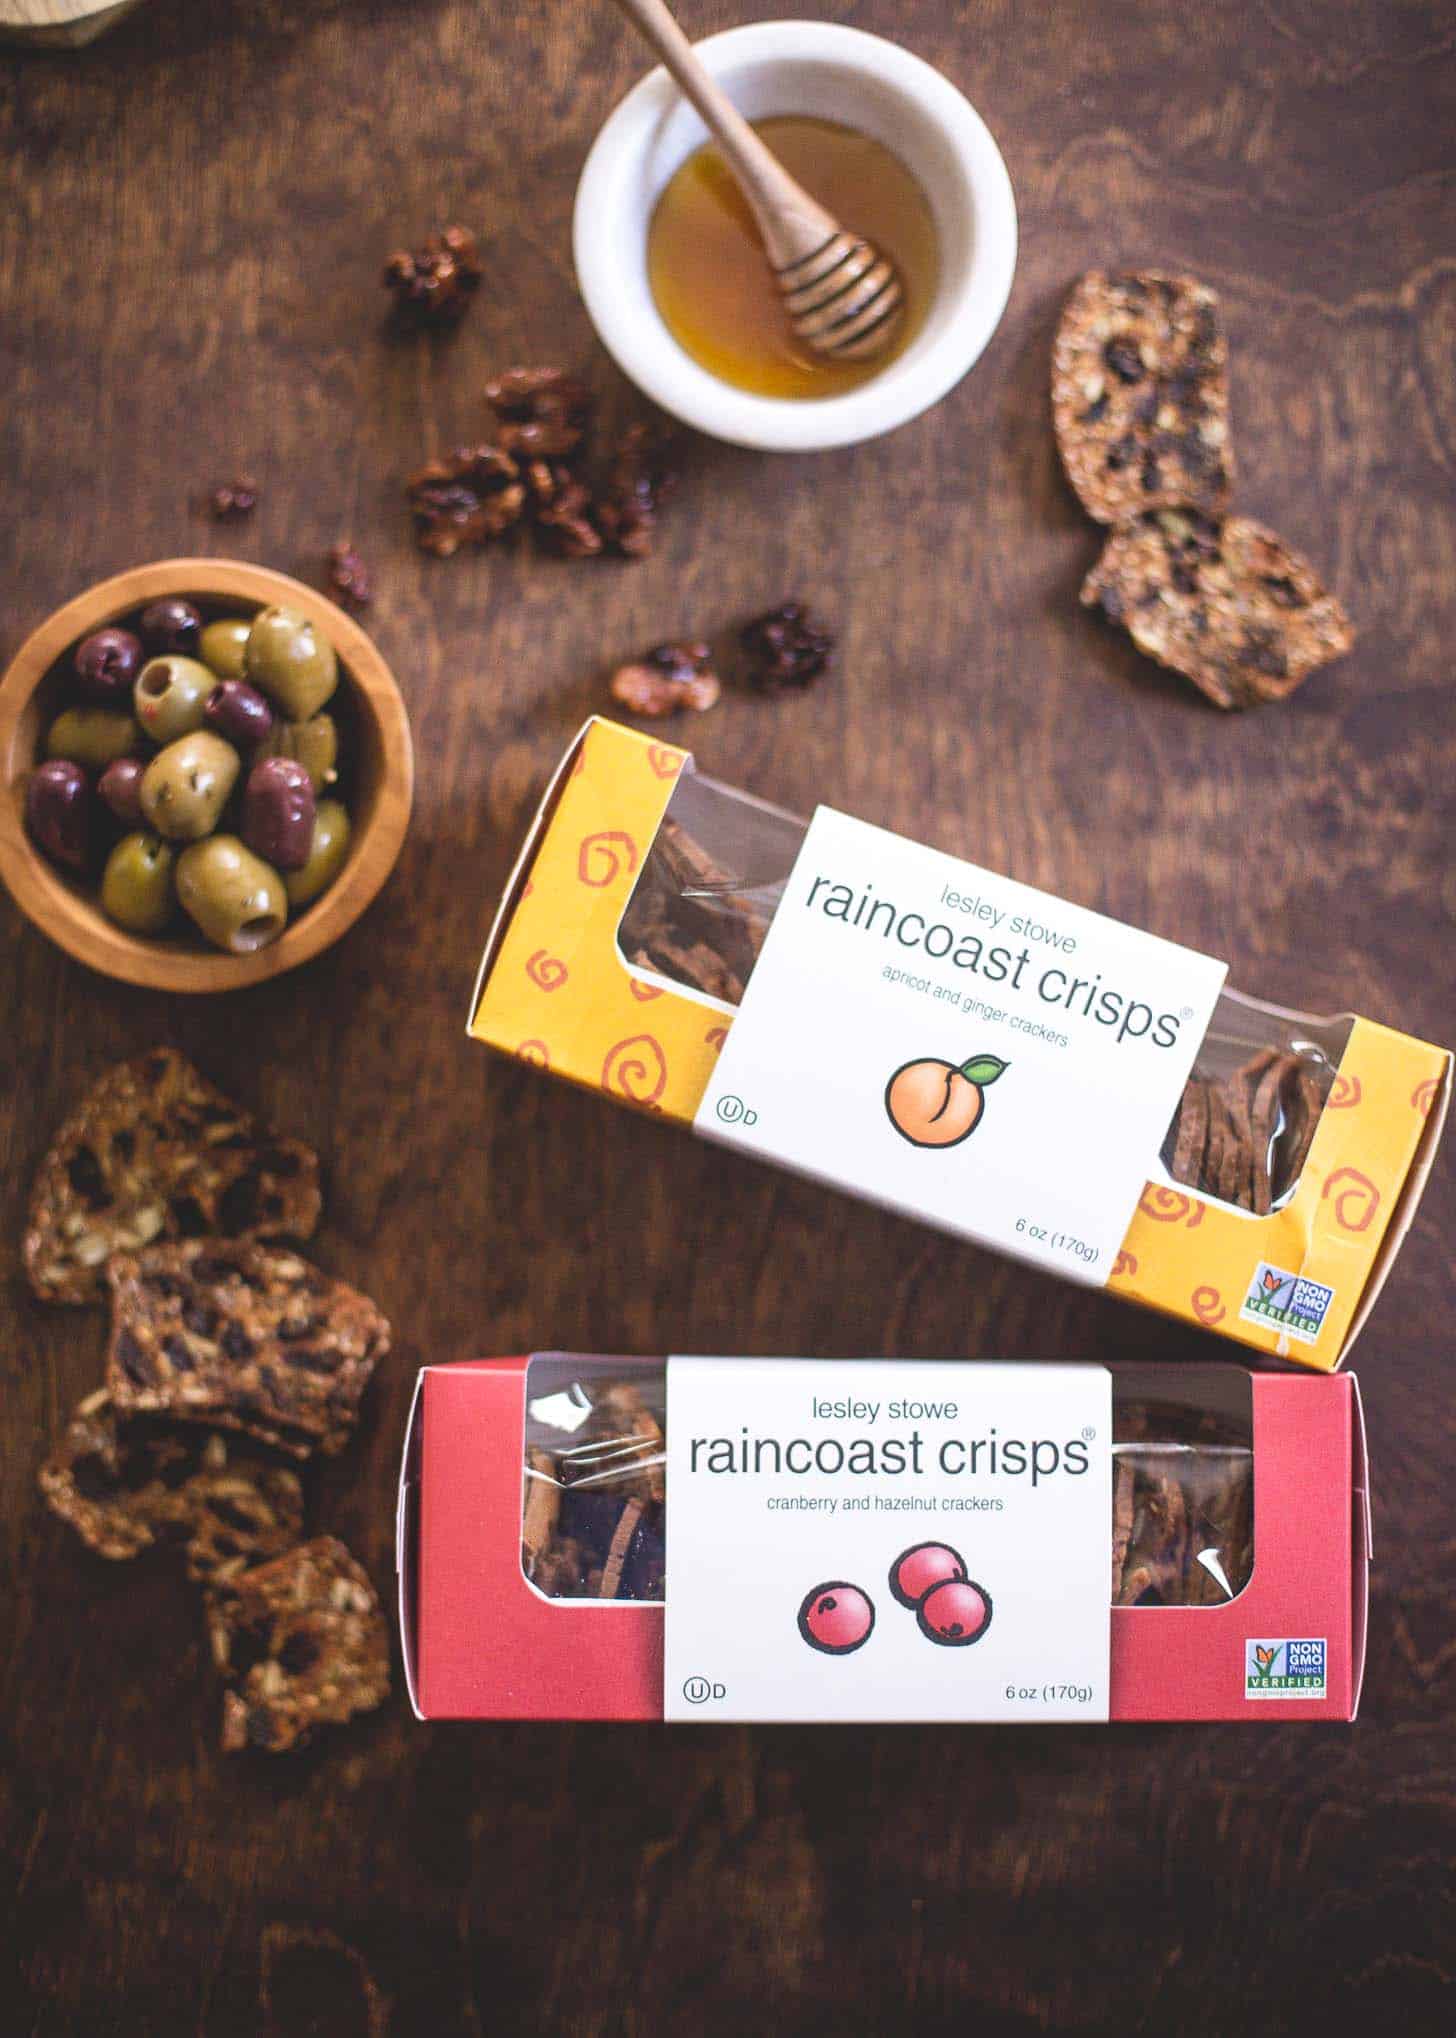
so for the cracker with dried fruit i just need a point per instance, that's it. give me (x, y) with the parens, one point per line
(243, 1336)
(1225, 602)
(127, 1484)
(156, 1152)
(1140, 395)
(302, 1643)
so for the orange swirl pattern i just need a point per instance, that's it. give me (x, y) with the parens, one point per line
(536, 1052)
(635, 1069)
(1207, 1305)
(604, 857)
(1164, 1206)
(1424, 1096)
(644, 993)
(1125, 1263)
(1345, 1093)
(664, 760)
(715, 1036)
(548, 972)
(1355, 1198)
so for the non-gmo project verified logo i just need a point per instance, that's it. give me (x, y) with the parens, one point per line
(1284, 1669)
(1292, 1304)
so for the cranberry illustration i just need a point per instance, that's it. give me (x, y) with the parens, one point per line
(924, 1564)
(837, 1618)
(954, 1613)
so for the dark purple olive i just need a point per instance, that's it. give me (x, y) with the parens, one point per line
(106, 663)
(239, 713)
(120, 785)
(278, 813)
(58, 812)
(170, 625)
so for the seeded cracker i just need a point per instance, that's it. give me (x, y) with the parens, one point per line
(1140, 395)
(125, 1485)
(154, 1151)
(1227, 604)
(242, 1336)
(302, 1643)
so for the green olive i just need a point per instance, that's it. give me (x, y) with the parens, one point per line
(235, 898)
(224, 646)
(326, 855)
(293, 663)
(170, 695)
(185, 787)
(314, 744)
(136, 889)
(94, 737)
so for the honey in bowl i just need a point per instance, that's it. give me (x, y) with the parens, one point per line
(711, 278)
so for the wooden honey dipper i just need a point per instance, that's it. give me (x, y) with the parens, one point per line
(842, 296)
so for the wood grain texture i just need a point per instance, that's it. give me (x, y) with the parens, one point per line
(196, 212)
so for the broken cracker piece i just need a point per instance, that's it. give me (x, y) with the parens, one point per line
(302, 1643)
(242, 1336)
(1140, 395)
(1228, 604)
(126, 1484)
(153, 1152)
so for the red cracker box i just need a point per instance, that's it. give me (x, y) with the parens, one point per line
(881, 1540)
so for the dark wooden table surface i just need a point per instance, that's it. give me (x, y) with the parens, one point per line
(194, 215)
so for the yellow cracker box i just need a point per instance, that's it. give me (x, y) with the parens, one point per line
(961, 1048)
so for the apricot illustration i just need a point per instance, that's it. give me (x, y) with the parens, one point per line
(936, 1103)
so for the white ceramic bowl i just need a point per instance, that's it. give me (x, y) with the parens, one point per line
(836, 73)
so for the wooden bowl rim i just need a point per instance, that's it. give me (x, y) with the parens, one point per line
(79, 927)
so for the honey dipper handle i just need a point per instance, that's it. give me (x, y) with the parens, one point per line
(792, 223)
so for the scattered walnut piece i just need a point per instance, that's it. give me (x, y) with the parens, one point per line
(666, 679)
(469, 498)
(560, 505)
(233, 500)
(535, 469)
(544, 412)
(638, 480)
(784, 649)
(349, 579)
(433, 284)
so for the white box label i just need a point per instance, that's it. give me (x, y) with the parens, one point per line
(961, 1047)
(870, 1539)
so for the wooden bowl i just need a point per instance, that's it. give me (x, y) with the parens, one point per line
(376, 755)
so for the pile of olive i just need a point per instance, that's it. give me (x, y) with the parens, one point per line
(195, 769)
